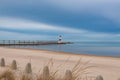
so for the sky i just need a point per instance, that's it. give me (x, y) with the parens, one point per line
(75, 20)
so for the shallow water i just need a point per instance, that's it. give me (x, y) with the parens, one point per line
(92, 48)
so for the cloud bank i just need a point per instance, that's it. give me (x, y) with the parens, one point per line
(83, 14)
(21, 24)
(8, 27)
(74, 19)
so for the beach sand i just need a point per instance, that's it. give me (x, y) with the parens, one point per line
(108, 67)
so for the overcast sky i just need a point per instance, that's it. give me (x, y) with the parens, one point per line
(75, 20)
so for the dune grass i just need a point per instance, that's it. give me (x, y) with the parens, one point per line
(7, 75)
(80, 69)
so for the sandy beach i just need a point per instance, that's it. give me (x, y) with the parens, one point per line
(108, 67)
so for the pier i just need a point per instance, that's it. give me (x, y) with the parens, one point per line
(29, 42)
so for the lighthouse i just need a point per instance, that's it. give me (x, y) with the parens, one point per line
(60, 39)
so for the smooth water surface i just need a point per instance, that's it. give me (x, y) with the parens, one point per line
(91, 48)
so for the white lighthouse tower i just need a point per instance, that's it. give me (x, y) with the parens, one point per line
(60, 39)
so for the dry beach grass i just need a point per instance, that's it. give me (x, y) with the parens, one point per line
(75, 74)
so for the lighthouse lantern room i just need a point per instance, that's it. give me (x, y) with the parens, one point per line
(60, 39)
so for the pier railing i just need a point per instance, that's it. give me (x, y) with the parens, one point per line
(25, 42)
(28, 42)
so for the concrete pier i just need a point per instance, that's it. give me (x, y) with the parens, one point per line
(29, 42)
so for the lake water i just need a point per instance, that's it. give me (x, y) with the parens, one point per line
(92, 48)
